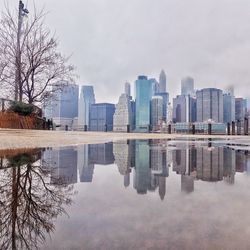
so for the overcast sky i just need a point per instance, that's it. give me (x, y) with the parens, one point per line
(113, 41)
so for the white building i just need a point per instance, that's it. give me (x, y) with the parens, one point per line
(123, 114)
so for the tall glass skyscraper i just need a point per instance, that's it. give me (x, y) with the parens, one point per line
(240, 109)
(87, 98)
(228, 108)
(65, 103)
(184, 109)
(144, 93)
(156, 112)
(209, 105)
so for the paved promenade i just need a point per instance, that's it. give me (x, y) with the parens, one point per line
(39, 138)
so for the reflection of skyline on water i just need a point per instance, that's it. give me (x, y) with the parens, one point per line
(144, 164)
(36, 185)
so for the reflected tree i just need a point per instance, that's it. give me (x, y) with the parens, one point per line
(29, 204)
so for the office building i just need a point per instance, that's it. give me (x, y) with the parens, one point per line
(209, 105)
(156, 112)
(101, 117)
(162, 82)
(144, 93)
(63, 107)
(228, 108)
(184, 109)
(123, 116)
(87, 98)
(240, 109)
(165, 98)
(127, 89)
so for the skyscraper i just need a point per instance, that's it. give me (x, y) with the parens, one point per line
(144, 93)
(165, 98)
(65, 102)
(87, 98)
(63, 107)
(184, 109)
(123, 114)
(127, 88)
(101, 117)
(187, 86)
(240, 109)
(209, 105)
(155, 85)
(228, 108)
(162, 81)
(156, 112)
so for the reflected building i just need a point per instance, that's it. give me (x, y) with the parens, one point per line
(210, 163)
(85, 168)
(101, 154)
(63, 165)
(204, 163)
(142, 167)
(151, 167)
(228, 108)
(124, 154)
(229, 163)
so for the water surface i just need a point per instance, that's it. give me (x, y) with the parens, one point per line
(143, 194)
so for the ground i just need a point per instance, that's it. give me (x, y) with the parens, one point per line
(12, 138)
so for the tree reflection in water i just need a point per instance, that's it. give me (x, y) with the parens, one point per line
(29, 203)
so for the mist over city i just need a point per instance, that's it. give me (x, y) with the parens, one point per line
(114, 41)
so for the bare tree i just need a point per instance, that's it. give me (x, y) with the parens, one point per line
(29, 203)
(34, 53)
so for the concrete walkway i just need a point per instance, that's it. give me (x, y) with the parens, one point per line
(10, 138)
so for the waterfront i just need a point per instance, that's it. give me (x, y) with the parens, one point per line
(143, 194)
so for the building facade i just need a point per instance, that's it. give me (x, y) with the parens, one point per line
(184, 109)
(156, 112)
(63, 107)
(209, 105)
(127, 89)
(101, 117)
(162, 81)
(123, 116)
(144, 93)
(240, 109)
(228, 108)
(87, 98)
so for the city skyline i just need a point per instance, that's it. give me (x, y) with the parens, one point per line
(217, 62)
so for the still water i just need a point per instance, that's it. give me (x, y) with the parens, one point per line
(143, 194)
